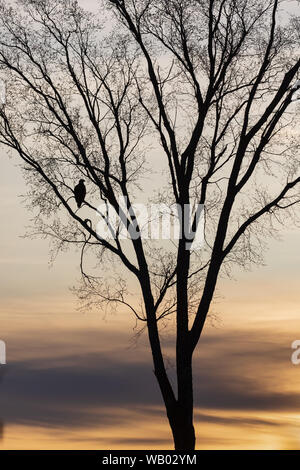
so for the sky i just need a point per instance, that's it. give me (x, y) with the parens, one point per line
(83, 380)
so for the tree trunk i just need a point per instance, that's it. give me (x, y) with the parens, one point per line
(181, 414)
(183, 429)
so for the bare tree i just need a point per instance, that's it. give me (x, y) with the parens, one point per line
(211, 84)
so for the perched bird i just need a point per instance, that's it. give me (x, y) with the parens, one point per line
(80, 192)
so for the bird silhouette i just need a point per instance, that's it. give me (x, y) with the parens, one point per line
(80, 192)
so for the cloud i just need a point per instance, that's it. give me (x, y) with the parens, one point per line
(235, 421)
(102, 389)
(84, 393)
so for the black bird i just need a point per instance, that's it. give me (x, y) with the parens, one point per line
(80, 192)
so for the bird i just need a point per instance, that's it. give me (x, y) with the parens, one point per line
(80, 192)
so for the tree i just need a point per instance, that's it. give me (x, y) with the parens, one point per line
(209, 82)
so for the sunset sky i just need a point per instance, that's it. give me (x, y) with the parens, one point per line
(82, 379)
(78, 379)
